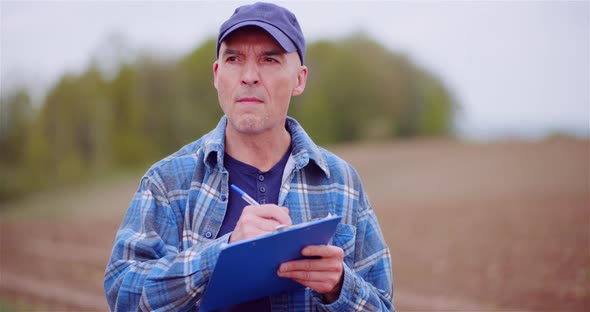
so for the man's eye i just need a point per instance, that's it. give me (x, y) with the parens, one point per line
(231, 59)
(270, 60)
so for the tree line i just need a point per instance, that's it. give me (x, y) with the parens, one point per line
(89, 124)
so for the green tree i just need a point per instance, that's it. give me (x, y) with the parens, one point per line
(87, 124)
(69, 137)
(16, 111)
(359, 90)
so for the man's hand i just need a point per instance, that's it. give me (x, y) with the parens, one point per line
(259, 220)
(324, 275)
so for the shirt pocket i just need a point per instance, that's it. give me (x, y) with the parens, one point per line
(344, 237)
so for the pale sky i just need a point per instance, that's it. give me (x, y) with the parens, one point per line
(517, 68)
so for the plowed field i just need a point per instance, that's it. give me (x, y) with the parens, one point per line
(499, 226)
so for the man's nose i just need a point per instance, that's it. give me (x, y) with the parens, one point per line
(250, 75)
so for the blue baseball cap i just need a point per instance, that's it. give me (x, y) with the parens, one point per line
(279, 22)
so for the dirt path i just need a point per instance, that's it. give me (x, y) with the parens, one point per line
(504, 226)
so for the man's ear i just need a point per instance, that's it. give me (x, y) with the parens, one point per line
(215, 68)
(301, 81)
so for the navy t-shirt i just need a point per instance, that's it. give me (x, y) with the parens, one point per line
(264, 187)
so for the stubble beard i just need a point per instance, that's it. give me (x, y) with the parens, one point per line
(248, 124)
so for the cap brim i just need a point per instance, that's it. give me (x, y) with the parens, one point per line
(276, 33)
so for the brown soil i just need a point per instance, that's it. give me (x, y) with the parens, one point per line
(502, 226)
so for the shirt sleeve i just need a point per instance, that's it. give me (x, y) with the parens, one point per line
(368, 283)
(146, 270)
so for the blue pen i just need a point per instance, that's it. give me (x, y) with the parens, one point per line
(244, 196)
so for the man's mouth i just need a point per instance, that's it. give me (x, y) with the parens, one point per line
(249, 99)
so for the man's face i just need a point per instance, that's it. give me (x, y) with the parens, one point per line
(255, 80)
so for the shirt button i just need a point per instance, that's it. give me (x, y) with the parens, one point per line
(208, 234)
(262, 189)
(260, 178)
(223, 198)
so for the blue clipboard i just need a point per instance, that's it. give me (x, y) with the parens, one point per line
(247, 270)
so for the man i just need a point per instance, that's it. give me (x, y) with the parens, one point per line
(183, 211)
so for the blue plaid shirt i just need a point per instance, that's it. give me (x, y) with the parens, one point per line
(167, 245)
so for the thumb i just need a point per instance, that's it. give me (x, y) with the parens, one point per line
(285, 210)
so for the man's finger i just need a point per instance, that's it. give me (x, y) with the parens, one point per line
(324, 251)
(270, 212)
(311, 276)
(310, 265)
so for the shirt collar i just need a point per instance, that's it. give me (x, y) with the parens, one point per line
(213, 145)
(304, 149)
